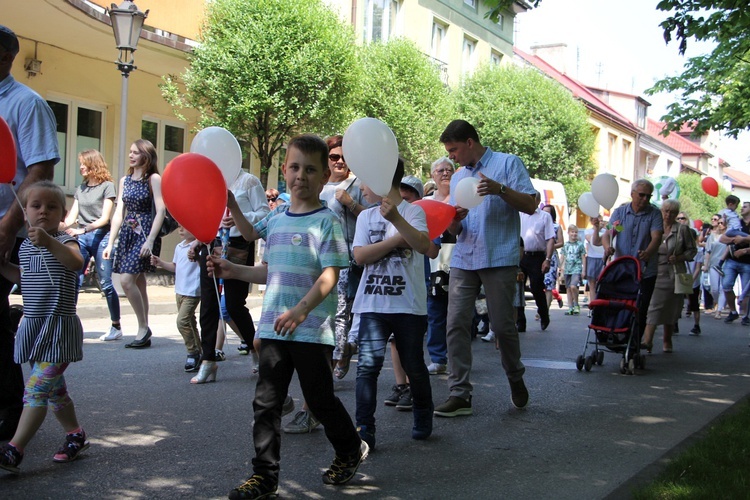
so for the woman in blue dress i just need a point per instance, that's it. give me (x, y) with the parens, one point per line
(137, 220)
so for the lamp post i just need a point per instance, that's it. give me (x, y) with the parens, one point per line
(127, 23)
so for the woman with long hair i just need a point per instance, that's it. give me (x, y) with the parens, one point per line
(137, 220)
(92, 208)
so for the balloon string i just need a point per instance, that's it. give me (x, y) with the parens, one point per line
(26, 220)
(218, 297)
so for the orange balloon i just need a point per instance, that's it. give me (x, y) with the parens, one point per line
(439, 216)
(710, 186)
(7, 153)
(195, 193)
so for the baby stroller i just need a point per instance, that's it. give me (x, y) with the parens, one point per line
(614, 317)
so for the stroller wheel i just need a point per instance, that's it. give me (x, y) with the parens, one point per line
(579, 362)
(623, 370)
(589, 363)
(600, 358)
(631, 367)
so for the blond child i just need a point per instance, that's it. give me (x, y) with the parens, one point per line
(573, 253)
(50, 335)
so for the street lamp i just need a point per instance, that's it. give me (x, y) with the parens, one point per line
(127, 23)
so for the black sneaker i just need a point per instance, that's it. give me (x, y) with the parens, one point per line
(73, 446)
(732, 316)
(395, 396)
(405, 403)
(193, 363)
(697, 329)
(243, 349)
(10, 458)
(256, 487)
(367, 434)
(454, 407)
(745, 321)
(220, 356)
(343, 469)
(519, 395)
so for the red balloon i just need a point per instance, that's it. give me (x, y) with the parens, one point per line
(710, 186)
(195, 193)
(439, 216)
(698, 224)
(7, 153)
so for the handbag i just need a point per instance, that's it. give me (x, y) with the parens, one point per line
(352, 283)
(683, 282)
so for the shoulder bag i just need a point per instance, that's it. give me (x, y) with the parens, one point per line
(683, 282)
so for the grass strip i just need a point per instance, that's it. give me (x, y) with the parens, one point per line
(716, 467)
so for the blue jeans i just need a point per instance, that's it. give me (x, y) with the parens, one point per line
(374, 330)
(92, 245)
(732, 269)
(437, 317)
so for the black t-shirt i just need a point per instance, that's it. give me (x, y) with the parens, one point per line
(745, 259)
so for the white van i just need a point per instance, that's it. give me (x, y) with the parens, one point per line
(553, 193)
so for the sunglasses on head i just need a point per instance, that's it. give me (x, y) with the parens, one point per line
(335, 157)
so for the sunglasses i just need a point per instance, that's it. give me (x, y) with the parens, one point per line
(272, 199)
(334, 157)
(681, 218)
(643, 195)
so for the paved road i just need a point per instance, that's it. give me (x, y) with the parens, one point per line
(583, 435)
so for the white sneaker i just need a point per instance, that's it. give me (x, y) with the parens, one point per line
(114, 334)
(490, 337)
(437, 369)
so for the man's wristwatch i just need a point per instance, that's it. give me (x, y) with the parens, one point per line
(502, 189)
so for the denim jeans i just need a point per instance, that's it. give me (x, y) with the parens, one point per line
(408, 334)
(92, 245)
(732, 269)
(437, 317)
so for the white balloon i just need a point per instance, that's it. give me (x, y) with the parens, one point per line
(588, 205)
(371, 152)
(466, 193)
(605, 189)
(222, 148)
(667, 186)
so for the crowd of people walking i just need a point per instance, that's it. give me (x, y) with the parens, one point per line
(346, 270)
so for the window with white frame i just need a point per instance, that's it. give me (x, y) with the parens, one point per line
(381, 17)
(640, 115)
(438, 45)
(468, 55)
(471, 3)
(80, 126)
(168, 137)
(496, 58)
(627, 170)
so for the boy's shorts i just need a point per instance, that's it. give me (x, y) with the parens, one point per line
(572, 280)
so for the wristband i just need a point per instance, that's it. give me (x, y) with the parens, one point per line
(353, 205)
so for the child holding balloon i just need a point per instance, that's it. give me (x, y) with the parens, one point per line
(305, 249)
(50, 335)
(733, 225)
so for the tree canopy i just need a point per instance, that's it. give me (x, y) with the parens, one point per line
(402, 88)
(268, 69)
(714, 88)
(520, 111)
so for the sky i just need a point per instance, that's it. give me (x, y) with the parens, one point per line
(618, 45)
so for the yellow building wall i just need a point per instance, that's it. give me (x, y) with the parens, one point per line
(181, 17)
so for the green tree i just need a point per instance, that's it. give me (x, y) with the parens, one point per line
(714, 88)
(268, 69)
(520, 111)
(402, 88)
(694, 201)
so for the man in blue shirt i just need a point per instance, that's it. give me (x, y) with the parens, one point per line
(34, 130)
(642, 229)
(486, 253)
